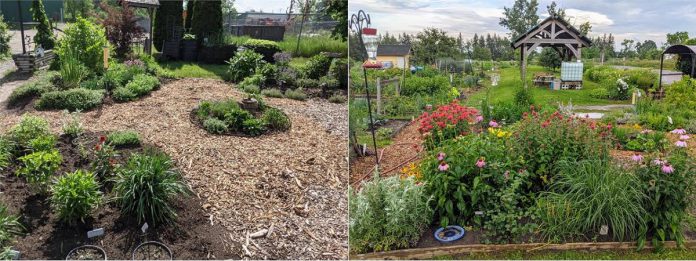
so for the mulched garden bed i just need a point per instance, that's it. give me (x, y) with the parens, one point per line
(190, 237)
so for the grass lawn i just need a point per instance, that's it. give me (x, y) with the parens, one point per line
(180, 69)
(510, 81)
(580, 255)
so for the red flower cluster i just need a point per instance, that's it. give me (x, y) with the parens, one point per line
(449, 114)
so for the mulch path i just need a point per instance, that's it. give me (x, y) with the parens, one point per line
(293, 182)
(405, 148)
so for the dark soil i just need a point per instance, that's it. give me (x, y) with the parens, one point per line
(46, 237)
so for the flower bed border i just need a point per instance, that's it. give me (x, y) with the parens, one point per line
(430, 252)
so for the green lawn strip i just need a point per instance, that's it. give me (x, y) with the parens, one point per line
(180, 69)
(579, 255)
(365, 137)
(510, 80)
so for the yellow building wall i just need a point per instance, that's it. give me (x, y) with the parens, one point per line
(393, 60)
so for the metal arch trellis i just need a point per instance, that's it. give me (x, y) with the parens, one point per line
(358, 22)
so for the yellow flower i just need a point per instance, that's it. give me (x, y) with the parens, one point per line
(637, 126)
(411, 170)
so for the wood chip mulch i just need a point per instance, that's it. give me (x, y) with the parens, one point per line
(291, 184)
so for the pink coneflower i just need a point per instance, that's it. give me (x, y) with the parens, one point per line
(441, 156)
(479, 118)
(667, 168)
(680, 143)
(637, 157)
(506, 174)
(679, 131)
(443, 166)
(684, 137)
(481, 163)
(645, 131)
(659, 161)
(493, 124)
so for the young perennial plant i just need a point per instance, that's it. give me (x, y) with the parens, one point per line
(75, 195)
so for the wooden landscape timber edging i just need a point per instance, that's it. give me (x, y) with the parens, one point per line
(430, 252)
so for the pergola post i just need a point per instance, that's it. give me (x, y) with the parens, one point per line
(693, 64)
(523, 66)
(662, 58)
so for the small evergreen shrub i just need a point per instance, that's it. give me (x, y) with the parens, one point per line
(38, 167)
(123, 138)
(252, 89)
(275, 119)
(123, 94)
(146, 185)
(264, 47)
(253, 127)
(143, 84)
(75, 195)
(215, 126)
(275, 93)
(316, 67)
(71, 100)
(337, 98)
(296, 94)
(32, 89)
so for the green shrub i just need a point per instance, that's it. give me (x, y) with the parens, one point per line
(275, 119)
(123, 138)
(146, 185)
(235, 119)
(38, 167)
(218, 109)
(682, 94)
(426, 85)
(215, 126)
(253, 127)
(119, 74)
(337, 98)
(297, 94)
(31, 89)
(71, 100)
(75, 195)
(96, 83)
(339, 70)
(5, 37)
(264, 47)
(72, 126)
(243, 65)
(85, 40)
(316, 67)
(252, 89)
(266, 71)
(328, 83)
(143, 84)
(599, 93)
(275, 93)
(6, 149)
(10, 226)
(307, 83)
(123, 94)
(588, 195)
(42, 143)
(29, 127)
(387, 213)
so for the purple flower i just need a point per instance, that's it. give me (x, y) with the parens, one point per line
(441, 156)
(443, 166)
(679, 131)
(479, 118)
(637, 157)
(493, 124)
(481, 163)
(684, 137)
(680, 143)
(667, 168)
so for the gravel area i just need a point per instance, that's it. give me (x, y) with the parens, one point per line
(293, 183)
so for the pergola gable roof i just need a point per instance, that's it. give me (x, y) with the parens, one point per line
(552, 30)
(680, 49)
(142, 3)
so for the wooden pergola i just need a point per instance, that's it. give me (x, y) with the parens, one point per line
(150, 5)
(552, 32)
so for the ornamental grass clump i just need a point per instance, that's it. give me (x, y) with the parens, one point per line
(588, 195)
(388, 213)
(75, 195)
(125, 138)
(9, 226)
(543, 139)
(146, 186)
(446, 122)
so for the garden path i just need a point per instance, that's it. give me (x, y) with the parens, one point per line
(294, 181)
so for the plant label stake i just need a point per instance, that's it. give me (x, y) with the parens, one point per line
(95, 232)
(604, 230)
(144, 227)
(478, 213)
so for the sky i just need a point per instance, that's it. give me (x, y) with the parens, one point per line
(269, 6)
(627, 19)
